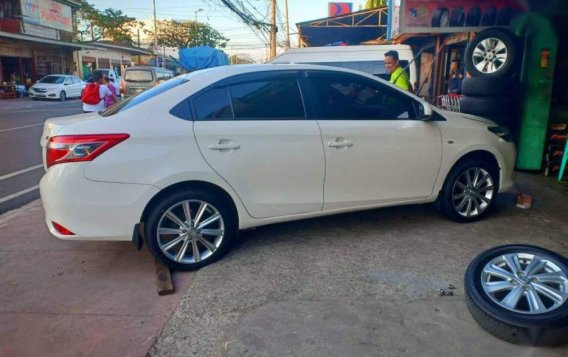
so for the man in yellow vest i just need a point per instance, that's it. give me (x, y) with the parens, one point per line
(399, 77)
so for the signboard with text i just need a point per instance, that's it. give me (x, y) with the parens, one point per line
(48, 13)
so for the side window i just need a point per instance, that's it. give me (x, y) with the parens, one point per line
(345, 96)
(213, 104)
(68, 81)
(275, 98)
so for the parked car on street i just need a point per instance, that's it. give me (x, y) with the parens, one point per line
(57, 86)
(138, 79)
(187, 164)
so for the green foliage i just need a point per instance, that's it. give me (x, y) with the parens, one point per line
(184, 34)
(109, 24)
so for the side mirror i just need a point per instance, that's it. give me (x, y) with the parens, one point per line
(424, 111)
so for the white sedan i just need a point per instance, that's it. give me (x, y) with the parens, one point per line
(184, 166)
(57, 86)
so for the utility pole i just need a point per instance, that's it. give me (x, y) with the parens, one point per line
(155, 34)
(273, 28)
(287, 27)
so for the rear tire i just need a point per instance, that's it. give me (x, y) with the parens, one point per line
(176, 235)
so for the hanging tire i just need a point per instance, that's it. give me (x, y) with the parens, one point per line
(473, 17)
(441, 18)
(519, 293)
(486, 106)
(191, 228)
(489, 17)
(492, 53)
(469, 191)
(486, 86)
(458, 17)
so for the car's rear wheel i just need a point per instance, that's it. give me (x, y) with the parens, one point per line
(189, 229)
(469, 191)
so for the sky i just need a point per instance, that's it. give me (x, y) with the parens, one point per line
(242, 39)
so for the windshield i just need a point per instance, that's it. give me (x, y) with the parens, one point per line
(52, 80)
(142, 97)
(138, 76)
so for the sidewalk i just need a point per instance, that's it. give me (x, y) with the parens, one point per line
(60, 298)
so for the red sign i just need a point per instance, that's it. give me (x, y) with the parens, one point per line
(339, 8)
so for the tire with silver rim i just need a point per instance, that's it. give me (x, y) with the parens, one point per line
(519, 293)
(190, 229)
(492, 53)
(469, 191)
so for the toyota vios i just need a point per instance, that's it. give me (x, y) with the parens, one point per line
(185, 165)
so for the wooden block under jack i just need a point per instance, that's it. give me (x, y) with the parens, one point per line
(163, 279)
(524, 201)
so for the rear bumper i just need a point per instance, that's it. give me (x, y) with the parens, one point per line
(92, 210)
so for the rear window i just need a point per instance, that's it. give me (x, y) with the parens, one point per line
(142, 97)
(138, 76)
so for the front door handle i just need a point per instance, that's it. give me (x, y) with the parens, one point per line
(223, 145)
(340, 143)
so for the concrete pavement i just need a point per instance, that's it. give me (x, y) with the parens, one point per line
(60, 298)
(360, 284)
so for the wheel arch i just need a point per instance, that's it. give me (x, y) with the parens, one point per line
(194, 184)
(482, 155)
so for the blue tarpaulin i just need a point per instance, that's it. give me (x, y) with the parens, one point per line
(195, 58)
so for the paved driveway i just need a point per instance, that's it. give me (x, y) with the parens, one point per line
(360, 284)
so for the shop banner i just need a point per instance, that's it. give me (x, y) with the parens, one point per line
(443, 16)
(48, 13)
(339, 8)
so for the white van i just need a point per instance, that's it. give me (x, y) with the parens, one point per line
(369, 59)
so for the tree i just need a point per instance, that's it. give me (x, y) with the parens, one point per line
(371, 4)
(183, 34)
(109, 24)
(241, 58)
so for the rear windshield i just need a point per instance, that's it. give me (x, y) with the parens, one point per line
(138, 76)
(142, 97)
(52, 79)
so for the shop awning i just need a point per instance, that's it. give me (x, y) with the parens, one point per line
(27, 38)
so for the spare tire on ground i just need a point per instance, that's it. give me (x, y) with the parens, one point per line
(492, 53)
(519, 293)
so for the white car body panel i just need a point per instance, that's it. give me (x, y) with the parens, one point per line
(103, 199)
(401, 161)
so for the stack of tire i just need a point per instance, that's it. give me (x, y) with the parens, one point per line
(492, 59)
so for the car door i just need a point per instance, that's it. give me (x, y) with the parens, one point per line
(376, 149)
(254, 132)
(76, 85)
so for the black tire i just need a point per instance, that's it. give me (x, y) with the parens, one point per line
(489, 17)
(491, 64)
(473, 17)
(486, 106)
(519, 325)
(441, 18)
(505, 16)
(487, 87)
(34, 98)
(458, 17)
(62, 96)
(227, 224)
(449, 205)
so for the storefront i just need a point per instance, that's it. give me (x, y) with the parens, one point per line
(103, 55)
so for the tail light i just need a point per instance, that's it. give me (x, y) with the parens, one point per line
(122, 87)
(62, 230)
(75, 148)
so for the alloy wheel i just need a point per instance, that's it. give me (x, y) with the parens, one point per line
(190, 231)
(490, 55)
(525, 283)
(473, 192)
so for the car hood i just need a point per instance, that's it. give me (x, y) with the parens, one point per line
(463, 116)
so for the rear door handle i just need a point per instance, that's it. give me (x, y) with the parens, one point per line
(340, 143)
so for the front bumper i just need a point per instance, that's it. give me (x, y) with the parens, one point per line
(92, 210)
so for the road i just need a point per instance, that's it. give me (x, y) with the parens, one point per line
(21, 125)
